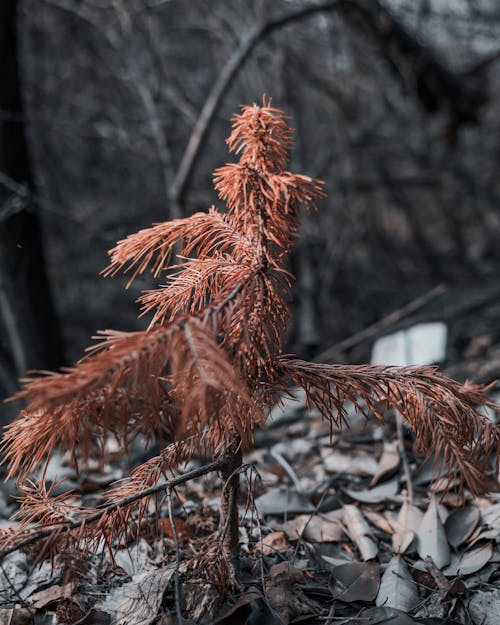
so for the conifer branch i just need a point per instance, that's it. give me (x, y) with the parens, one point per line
(58, 529)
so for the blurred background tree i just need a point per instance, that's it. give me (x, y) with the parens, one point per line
(395, 105)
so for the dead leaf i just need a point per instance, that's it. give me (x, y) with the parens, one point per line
(355, 581)
(354, 463)
(431, 470)
(379, 521)
(377, 494)
(281, 501)
(13, 574)
(491, 516)
(389, 461)
(138, 601)
(397, 587)
(333, 562)
(385, 616)
(484, 606)
(406, 527)
(318, 528)
(461, 524)
(359, 531)
(432, 537)
(469, 561)
(16, 616)
(133, 559)
(184, 533)
(273, 542)
(53, 593)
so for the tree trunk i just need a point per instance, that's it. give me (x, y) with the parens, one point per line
(229, 509)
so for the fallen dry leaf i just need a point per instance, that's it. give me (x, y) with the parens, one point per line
(282, 500)
(379, 521)
(273, 542)
(469, 561)
(377, 494)
(318, 528)
(355, 462)
(397, 587)
(53, 593)
(461, 524)
(359, 531)
(432, 537)
(355, 581)
(389, 461)
(138, 601)
(406, 527)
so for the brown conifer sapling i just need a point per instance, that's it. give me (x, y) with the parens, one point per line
(210, 366)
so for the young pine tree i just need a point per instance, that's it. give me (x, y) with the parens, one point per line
(210, 366)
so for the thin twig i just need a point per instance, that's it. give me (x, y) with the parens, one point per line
(251, 487)
(177, 587)
(66, 526)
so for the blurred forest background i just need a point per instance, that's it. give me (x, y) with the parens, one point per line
(113, 115)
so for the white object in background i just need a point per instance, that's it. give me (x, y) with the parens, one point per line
(422, 344)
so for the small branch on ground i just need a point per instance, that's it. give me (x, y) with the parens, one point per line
(64, 527)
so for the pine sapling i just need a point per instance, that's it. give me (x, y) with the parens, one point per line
(207, 371)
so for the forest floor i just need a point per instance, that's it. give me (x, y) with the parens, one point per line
(361, 530)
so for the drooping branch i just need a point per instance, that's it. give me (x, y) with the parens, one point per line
(57, 529)
(441, 412)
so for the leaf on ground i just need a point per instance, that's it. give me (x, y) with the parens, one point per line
(354, 463)
(432, 537)
(355, 581)
(460, 525)
(406, 527)
(359, 531)
(53, 593)
(138, 601)
(44, 576)
(333, 562)
(13, 574)
(491, 516)
(397, 587)
(379, 520)
(318, 528)
(240, 609)
(377, 494)
(289, 405)
(389, 461)
(484, 606)
(134, 559)
(431, 470)
(385, 616)
(470, 561)
(282, 500)
(16, 616)
(274, 542)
